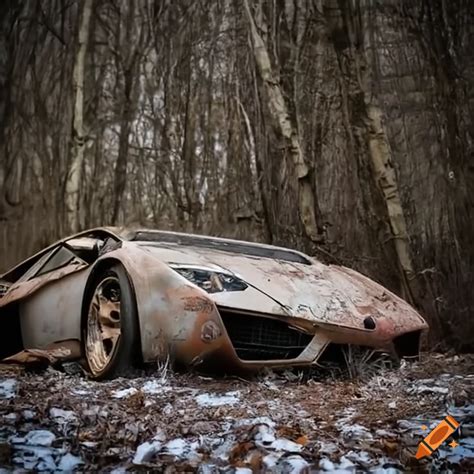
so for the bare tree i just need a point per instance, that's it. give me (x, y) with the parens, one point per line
(79, 133)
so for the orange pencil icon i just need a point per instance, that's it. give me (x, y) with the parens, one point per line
(436, 437)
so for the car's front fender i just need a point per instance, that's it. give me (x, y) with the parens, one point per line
(176, 318)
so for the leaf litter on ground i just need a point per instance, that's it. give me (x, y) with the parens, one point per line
(287, 422)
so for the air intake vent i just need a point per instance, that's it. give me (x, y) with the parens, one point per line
(261, 338)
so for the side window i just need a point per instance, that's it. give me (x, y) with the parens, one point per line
(33, 270)
(56, 258)
(59, 259)
(85, 249)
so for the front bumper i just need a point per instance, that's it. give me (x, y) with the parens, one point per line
(225, 339)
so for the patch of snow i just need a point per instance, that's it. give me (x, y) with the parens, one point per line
(385, 433)
(35, 452)
(35, 438)
(259, 420)
(28, 414)
(11, 417)
(7, 388)
(176, 447)
(386, 466)
(462, 411)
(124, 393)
(222, 447)
(465, 450)
(119, 470)
(148, 449)
(355, 431)
(345, 463)
(270, 460)
(351, 430)
(293, 465)
(62, 416)
(415, 425)
(95, 411)
(80, 391)
(383, 470)
(181, 448)
(69, 462)
(282, 444)
(265, 436)
(327, 465)
(37, 458)
(351, 462)
(270, 385)
(327, 447)
(208, 469)
(211, 400)
(428, 389)
(89, 444)
(152, 387)
(358, 457)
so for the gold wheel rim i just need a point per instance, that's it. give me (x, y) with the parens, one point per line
(103, 324)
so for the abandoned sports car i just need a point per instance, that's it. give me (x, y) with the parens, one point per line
(134, 296)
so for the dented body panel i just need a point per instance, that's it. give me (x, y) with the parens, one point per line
(217, 303)
(60, 308)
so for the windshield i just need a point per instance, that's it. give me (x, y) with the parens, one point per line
(235, 247)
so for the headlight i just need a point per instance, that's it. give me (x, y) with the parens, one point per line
(212, 281)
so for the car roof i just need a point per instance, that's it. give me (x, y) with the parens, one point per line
(163, 238)
(154, 237)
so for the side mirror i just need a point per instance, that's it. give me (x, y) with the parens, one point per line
(82, 243)
(86, 248)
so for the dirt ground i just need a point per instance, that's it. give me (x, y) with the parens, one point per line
(161, 421)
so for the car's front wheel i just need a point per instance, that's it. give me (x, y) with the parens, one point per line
(110, 332)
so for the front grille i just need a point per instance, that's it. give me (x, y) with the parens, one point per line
(262, 338)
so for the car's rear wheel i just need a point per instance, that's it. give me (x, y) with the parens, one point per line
(110, 325)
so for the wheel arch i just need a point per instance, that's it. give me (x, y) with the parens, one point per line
(101, 266)
(145, 275)
(170, 310)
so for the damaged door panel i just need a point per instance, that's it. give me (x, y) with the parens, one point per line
(60, 307)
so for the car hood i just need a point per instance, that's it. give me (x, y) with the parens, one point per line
(322, 294)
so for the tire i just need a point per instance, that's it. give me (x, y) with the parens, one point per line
(110, 331)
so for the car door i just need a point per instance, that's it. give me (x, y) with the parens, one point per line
(49, 297)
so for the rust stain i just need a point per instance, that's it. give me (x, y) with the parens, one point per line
(61, 351)
(197, 303)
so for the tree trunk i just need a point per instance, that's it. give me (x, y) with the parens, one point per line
(120, 180)
(385, 177)
(285, 129)
(73, 183)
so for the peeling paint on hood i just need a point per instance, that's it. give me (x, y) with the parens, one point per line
(323, 294)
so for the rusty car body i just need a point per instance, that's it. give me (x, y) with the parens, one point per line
(203, 302)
